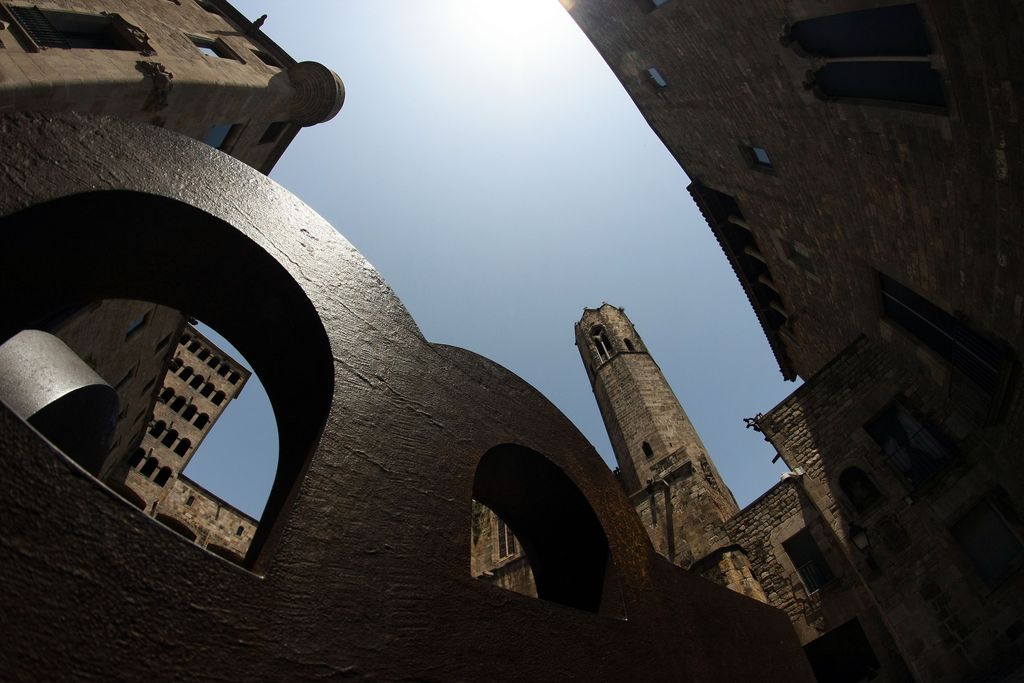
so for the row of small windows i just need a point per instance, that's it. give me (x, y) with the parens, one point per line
(149, 466)
(169, 437)
(187, 410)
(222, 367)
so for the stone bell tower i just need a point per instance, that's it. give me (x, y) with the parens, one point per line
(664, 467)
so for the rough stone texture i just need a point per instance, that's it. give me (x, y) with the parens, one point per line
(175, 85)
(359, 564)
(509, 569)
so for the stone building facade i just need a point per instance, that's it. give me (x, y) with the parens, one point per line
(860, 163)
(496, 556)
(199, 385)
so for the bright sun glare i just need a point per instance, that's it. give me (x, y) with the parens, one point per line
(514, 32)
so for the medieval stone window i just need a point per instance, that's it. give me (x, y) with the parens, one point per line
(648, 451)
(175, 364)
(659, 81)
(150, 466)
(982, 362)
(50, 28)
(234, 377)
(166, 395)
(601, 343)
(162, 343)
(273, 132)
(197, 381)
(987, 537)
(809, 562)
(213, 362)
(915, 451)
(202, 420)
(239, 531)
(223, 370)
(163, 476)
(506, 540)
(873, 54)
(182, 447)
(136, 325)
(858, 489)
(213, 48)
(158, 428)
(190, 501)
(189, 412)
(203, 354)
(206, 390)
(219, 397)
(185, 338)
(629, 345)
(136, 458)
(759, 158)
(194, 346)
(185, 373)
(169, 438)
(177, 404)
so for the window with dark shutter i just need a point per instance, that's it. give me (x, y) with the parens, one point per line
(913, 450)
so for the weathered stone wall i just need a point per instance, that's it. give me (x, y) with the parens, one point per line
(166, 80)
(511, 570)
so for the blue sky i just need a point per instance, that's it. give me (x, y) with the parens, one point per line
(491, 167)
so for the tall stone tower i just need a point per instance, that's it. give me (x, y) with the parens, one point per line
(664, 468)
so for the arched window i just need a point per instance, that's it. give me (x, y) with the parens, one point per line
(202, 420)
(234, 377)
(203, 355)
(223, 370)
(189, 412)
(175, 364)
(158, 428)
(859, 489)
(648, 451)
(218, 398)
(136, 458)
(169, 438)
(629, 345)
(197, 381)
(150, 466)
(601, 343)
(166, 395)
(193, 347)
(163, 476)
(206, 390)
(182, 447)
(213, 362)
(177, 404)
(184, 340)
(185, 373)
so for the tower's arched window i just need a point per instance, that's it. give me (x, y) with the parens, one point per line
(648, 451)
(203, 355)
(189, 412)
(202, 420)
(185, 373)
(169, 438)
(163, 476)
(859, 489)
(175, 364)
(177, 404)
(182, 447)
(234, 378)
(601, 343)
(150, 466)
(158, 428)
(223, 370)
(206, 390)
(213, 362)
(193, 347)
(197, 381)
(166, 395)
(218, 398)
(136, 458)
(629, 345)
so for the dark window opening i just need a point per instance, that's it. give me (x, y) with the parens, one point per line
(212, 48)
(189, 412)
(136, 325)
(273, 132)
(158, 428)
(629, 345)
(213, 362)
(894, 31)
(204, 354)
(163, 476)
(182, 447)
(858, 489)
(234, 377)
(190, 501)
(218, 136)
(202, 420)
(843, 655)
(148, 386)
(989, 541)
(916, 452)
(218, 398)
(910, 82)
(239, 531)
(206, 390)
(150, 466)
(49, 28)
(184, 340)
(809, 562)
(166, 395)
(648, 451)
(185, 373)
(197, 381)
(169, 438)
(601, 343)
(759, 157)
(223, 370)
(177, 404)
(194, 346)
(136, 458)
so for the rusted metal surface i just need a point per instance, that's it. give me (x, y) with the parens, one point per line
(361, 567)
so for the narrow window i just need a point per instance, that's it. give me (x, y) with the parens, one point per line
(162, 343)
(223, 370)
(182, 447)
(175, 364)
(218, 398)
(213, 48)
(629, 345)
(189, 412)
(136, 325)
(206, 390)
(169, 438)
(158, 428)
(659, 80)
(197, 381)
(914, 451)
(989, 541)
(204, 354)
(910, 82)
(759, 157)
(184, 340)
(809, 562)
(166, 395)
(163, 476)
(648, 451)
(234, 377)
(858, 489)
(190, 501)
(601, 343)
(185, 373)
(150, 466)
(177, 404)
(273, 132)
(506, 540)
(139, 415)
(218, 135)
(202, 420)
(239, 531)
(213, 362)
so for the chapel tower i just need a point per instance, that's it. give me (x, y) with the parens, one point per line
(663, 465)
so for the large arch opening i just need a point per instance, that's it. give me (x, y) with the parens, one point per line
(65, 253)
(552, 521)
